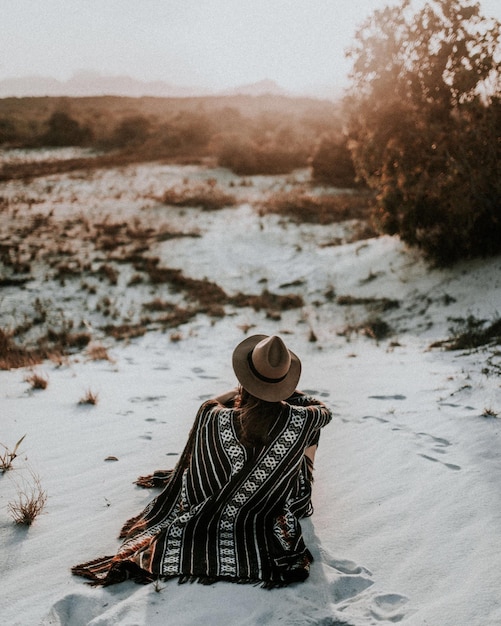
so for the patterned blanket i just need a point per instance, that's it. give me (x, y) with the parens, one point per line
(227, 512)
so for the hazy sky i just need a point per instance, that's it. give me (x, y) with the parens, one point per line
(205, 43)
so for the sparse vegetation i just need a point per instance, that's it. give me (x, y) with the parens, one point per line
(266, 135)
(489, 412)
(97, 352)
(302, 206)
(13, 356)
(471, 333)
(378, 304)
(30, 502)
(207, 196)
(8, 456)
(37, 381)
(89, 398)
(374, 328)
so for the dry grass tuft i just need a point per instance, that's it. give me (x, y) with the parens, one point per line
(374, 328)
(7, 457)
(97, 352)
(37, 381)
(207, 195)
(89, 398)
(471, 333)
(13, 356)
(301, 206)
(31, 500)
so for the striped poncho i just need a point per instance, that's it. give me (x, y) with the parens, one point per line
(227, 512)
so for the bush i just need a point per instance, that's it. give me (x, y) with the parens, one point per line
(332, 163)
(65, 131)
(424, 125)
(246, 156)
(131, 131)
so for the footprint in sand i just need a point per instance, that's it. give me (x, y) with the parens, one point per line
(448, 465)
(388, 607)
(437, 445)
(397, 396)
(316, 393)
(73, 610)
(200, 372)
(348, 580)
(154, 399)
(343, 565)
(381, 420)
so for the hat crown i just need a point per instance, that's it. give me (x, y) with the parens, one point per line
(271, 358)
(266, 368)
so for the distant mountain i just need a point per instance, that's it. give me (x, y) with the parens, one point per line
(88, 83)
(261, 88)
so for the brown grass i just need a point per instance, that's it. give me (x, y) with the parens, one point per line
(30, 502)
(268, 301)
(89, 398)
(8, 457)
(97, 352)
(125, 331)
(301, 206)
(206, 195)
(378, 304)
(37, 381)
(374, 328)
(470, 334)
(13, 356)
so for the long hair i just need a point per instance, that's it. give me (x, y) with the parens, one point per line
(255, 418)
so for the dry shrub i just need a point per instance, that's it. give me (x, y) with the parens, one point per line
(302, 206)
(30, 502)
(37, 381)
(379, 304)
(65, 340)
(207, 195)
(374, 328)
(13, 356)
(89, 398)
(125, 331)
(7, 457)
(159, 305)
(109, 272)
(172, 315)
(201, 290)
(268, 301)
(97, 352)
(471, 333)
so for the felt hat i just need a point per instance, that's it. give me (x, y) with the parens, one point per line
(266, 368)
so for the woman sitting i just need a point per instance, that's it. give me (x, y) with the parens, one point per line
(230, 509)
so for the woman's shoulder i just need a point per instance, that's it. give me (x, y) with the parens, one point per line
(313, 409)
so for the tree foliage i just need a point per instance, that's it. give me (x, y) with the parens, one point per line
(332, 163)
(425, 124)
(63, 130)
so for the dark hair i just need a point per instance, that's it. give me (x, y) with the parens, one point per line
(255, 418)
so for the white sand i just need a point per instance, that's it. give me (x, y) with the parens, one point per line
(407, 522)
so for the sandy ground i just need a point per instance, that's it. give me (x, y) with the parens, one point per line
(407, 516)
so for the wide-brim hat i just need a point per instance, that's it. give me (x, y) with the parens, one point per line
(266, 368)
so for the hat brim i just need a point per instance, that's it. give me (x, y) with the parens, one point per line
(271, 392)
